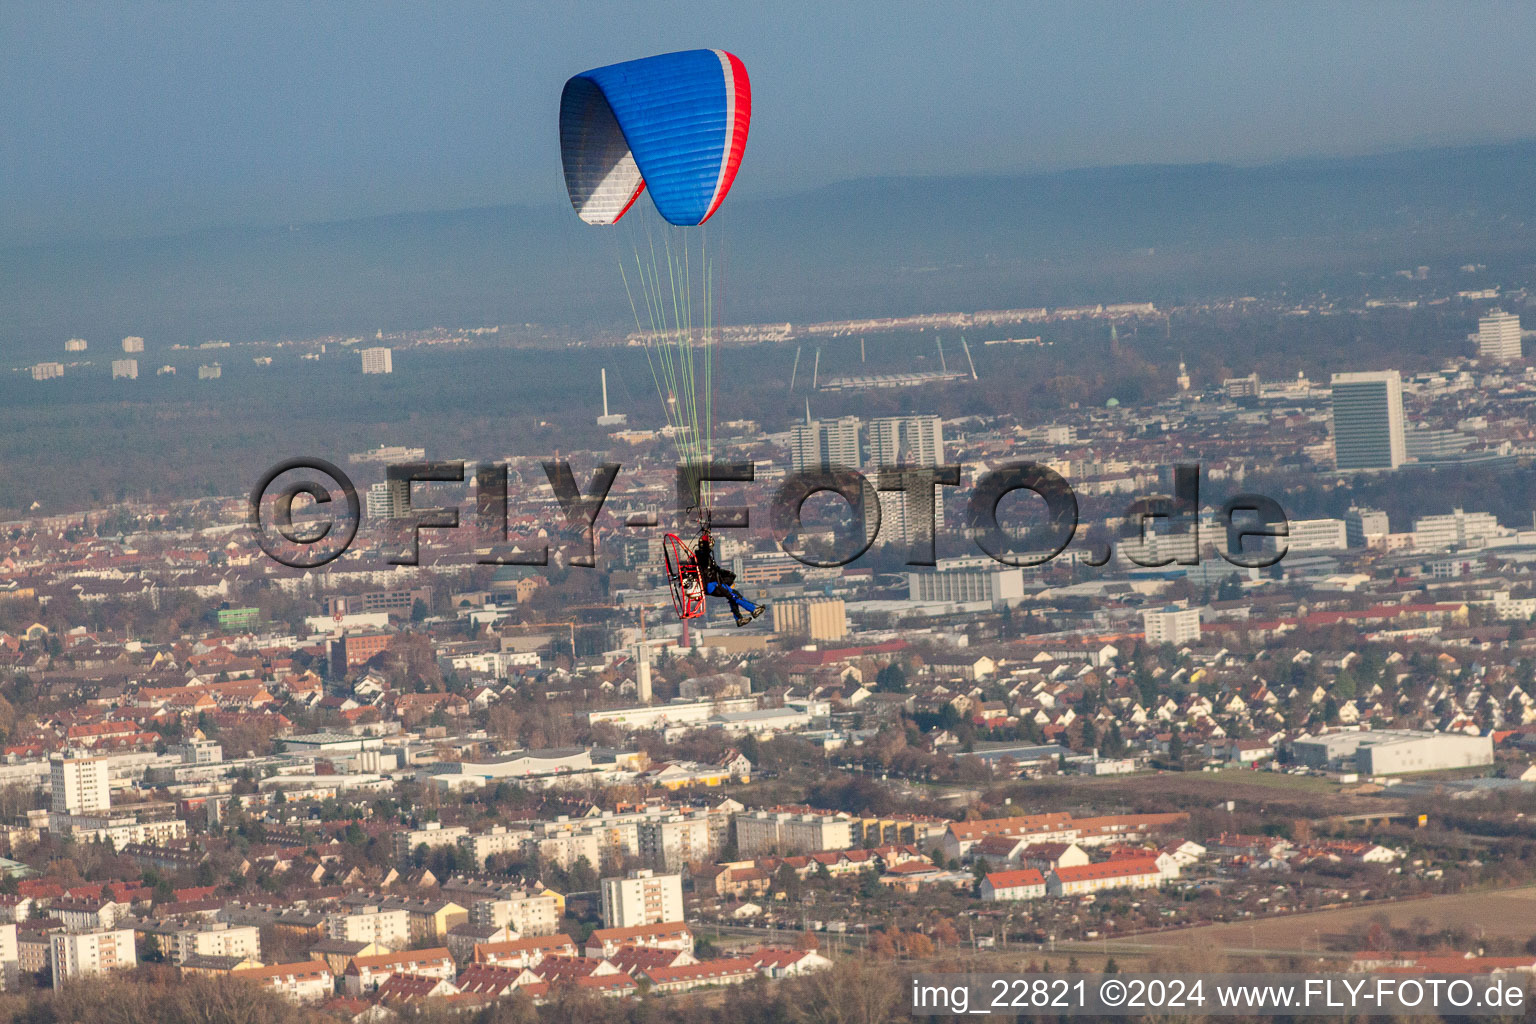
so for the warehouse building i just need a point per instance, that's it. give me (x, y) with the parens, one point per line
(1393, 751)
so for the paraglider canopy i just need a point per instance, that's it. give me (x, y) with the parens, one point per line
(674, 123)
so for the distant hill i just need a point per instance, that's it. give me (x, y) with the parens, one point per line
(874, 246)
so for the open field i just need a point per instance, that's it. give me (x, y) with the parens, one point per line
(1270, 780)
(1230, 783)
(1508, 913)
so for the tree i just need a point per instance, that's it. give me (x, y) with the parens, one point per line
(944, 933)
(891, 678)
(853, 991)
(785, 880)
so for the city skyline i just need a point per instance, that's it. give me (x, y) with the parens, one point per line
(482, 538)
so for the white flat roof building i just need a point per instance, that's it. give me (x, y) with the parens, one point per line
(1393, 751)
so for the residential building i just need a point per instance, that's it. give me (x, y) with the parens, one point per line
(675, 935)
(525, 913)
(216, 938)
(79, 784)
(1024, 884)
(306, 981)
(378, 360)
(760, 833)
(642, 898)
(433, 834)
(367, 973)
(84, 954)
(389, 928)
(1125, 873)
(818, 444)
(906, 441)
(676, 841)
(10, 957)
(1498, 337)
(1171, 625)
(389, 499)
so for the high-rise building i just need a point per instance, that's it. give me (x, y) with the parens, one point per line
(906, 441)
(133, 343)
(75, 345)
(817, 444)
(378, 360)
(1368, 420)
(389, 499)
(47, 371)
(125, 369)
(1498, 336)
(213, 372)
(644, 897)
(79, 784)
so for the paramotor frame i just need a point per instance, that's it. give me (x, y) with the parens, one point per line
(683, 576)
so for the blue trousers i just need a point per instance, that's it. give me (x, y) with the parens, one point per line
(737, 602)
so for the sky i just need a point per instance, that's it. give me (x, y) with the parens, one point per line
(124, 120)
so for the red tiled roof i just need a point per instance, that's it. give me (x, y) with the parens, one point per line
(1013, 879)
(1123, 868)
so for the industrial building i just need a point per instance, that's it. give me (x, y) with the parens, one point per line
(814, 618)
(1393, 751)
(967, 581)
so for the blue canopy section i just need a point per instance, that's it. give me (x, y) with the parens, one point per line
(675, 124)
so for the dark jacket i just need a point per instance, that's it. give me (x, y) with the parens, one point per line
(709, 569)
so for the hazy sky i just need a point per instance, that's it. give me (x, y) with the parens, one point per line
(152, 119)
